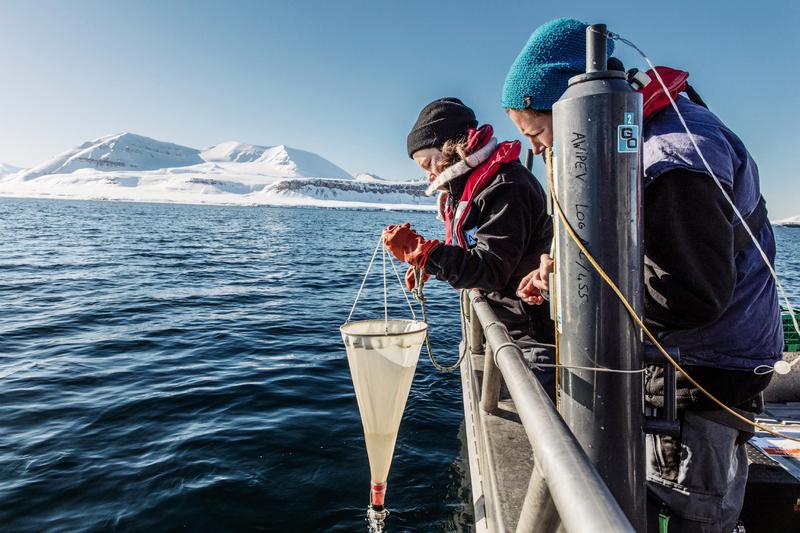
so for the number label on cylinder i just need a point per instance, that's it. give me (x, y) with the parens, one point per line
(628, 135)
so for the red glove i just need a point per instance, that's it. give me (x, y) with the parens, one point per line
(411, 282)
(407, 245)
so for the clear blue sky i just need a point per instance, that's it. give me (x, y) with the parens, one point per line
(346, 79)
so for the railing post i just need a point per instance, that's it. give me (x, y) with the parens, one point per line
(490, 387)
(539, 513)
(475, 330)
(492, 380)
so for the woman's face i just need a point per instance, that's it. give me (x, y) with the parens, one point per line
(536, 126)
(428, 160)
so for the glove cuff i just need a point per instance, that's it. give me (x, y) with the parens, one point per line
(425, 251)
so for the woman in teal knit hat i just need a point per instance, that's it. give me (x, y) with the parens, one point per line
(707, 291)
(555, 52)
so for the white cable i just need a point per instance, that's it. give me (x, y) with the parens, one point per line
(385, 292)
(781, 367)
(402, 287)
(590, 368)
(363, 281)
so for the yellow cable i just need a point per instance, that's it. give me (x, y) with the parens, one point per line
(548, 160)
(635, 317)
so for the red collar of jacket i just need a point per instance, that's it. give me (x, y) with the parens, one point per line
(476, 182)
(653, 95)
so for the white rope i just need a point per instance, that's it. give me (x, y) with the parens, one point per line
(496, 349)
(385, 289)
(783, 369)
(402, 288)
(492, 323)
(364, 281)
(385, 292)
(573, 367)
(418, 275)
(590, 368)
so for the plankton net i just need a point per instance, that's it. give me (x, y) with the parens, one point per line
(382, 355)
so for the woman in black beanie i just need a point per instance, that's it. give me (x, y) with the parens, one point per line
(495, 217)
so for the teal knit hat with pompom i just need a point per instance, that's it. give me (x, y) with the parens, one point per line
(555, 52)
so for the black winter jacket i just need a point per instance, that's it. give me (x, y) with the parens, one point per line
(511, 231)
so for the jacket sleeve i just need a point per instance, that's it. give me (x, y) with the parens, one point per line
(503, 231)
(689, 267)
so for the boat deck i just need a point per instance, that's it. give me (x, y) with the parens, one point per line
(501, 460)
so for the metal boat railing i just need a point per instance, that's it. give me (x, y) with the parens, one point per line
(564, 487)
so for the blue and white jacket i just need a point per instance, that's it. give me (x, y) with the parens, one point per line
(749, 332)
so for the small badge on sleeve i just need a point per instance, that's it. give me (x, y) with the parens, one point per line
(471, 239)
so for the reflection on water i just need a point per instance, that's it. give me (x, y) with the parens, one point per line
(173, 366)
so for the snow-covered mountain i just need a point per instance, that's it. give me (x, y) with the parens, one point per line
(294, 163)
(792, 222)
(6, 169)
(123, 151)
(233, 152)
(132, 167)
(278, 160)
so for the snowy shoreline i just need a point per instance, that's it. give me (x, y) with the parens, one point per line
(791, 222)
(319, 204)
(133, 168)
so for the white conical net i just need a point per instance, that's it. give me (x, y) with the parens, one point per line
(383, 356)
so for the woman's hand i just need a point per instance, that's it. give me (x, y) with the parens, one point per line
(531, 287)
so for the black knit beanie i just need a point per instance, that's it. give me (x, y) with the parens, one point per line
(438, 122)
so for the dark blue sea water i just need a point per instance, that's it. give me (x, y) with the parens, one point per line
(787, 262)
(168, 367)
(180, 367)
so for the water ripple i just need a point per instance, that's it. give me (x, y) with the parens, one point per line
(172, 367)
